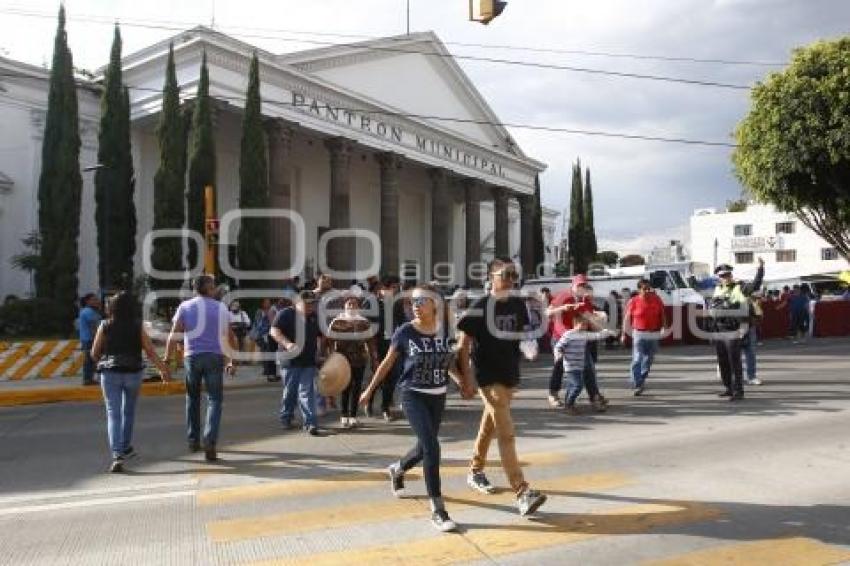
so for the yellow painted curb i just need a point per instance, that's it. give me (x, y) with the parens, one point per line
(80, 393)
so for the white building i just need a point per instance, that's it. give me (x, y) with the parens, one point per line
(351, 125)
(789, 249)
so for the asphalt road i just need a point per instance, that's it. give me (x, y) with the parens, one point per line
(678, 476)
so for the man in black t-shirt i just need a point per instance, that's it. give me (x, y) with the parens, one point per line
(493, 328)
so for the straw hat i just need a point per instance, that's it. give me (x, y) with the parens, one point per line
(334, 375)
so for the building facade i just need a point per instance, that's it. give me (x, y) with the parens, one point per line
(789, 249)
(387, 136)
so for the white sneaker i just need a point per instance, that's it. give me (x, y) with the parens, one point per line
(754, 381)
(353, 422)
(345, 422)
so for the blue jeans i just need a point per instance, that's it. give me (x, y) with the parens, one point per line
(88, 362)
(299, 385)
(424, 412)
(644, 348)
(749, 346)
(120, 392)
(582, 379)
(206, 368)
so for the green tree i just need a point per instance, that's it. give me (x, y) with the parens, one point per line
(608, 258)
(169, 183)
(739, 205)
(115, 211)
(576, 230)
(632, 260)
(201, 158)
(60, 187)
(252, 246)
(794, 145)
(589, 230)
(537, 226)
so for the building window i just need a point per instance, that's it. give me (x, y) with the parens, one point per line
(786, 255)
(744, 257)
(743, 230)
(828, 254)
(786, 227)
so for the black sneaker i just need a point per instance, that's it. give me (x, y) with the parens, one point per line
(129, 453)
(313, 431)
(210, 454)
(638, 391)
(396, 480)
(725, 394)
(529, 501)
(117, 466)
(479, 482)
(738, 396)
(441, 521)
(194, 446)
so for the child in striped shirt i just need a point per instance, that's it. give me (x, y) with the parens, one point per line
(572, 347)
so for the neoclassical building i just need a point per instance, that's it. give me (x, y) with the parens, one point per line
(387, 135)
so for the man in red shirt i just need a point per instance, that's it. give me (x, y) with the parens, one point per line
(645, 319)
(561, 312)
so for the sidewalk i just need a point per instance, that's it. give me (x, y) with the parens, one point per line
(64, 389)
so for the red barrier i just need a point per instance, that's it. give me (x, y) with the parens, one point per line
(775, 322)
(832, 318)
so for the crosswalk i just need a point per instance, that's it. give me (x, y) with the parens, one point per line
(352, 518)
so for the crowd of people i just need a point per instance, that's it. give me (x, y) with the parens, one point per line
(411, 342)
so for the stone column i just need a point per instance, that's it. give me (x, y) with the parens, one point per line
(340, 250)
(501, 226)
(389, 163)
(472, 189)
(526, 235)
(280, 135)
(441, 216)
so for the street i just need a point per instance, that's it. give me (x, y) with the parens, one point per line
(678, 476)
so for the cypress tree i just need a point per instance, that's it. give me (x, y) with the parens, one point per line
(201, 158)
(253, 242)
(537, 225)
(576, 233)
(590, 248)
(115, 212)
(169, 183)
(60, 187)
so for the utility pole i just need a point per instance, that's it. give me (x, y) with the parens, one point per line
(210, 231)
(408, 17)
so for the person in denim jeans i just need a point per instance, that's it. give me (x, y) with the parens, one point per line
(424, 350)
(645, 318)
(204, 324)
(296, 331)
(117, 350)
(572, 349)
(88, 322)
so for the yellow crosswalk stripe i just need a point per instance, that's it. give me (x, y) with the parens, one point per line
(341, 482)
(387, 509)
(793, 551)
(518, 536)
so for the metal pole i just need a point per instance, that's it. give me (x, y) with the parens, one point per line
(408, 17)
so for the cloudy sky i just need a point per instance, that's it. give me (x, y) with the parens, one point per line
(644, 191)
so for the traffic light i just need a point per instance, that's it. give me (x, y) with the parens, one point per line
(485, 10)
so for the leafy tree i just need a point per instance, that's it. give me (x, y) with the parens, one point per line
(608, 258)
(794, 145)
(60, 187)
(253, 241)
(739, 205)
(169, 183)
(632, 260)
(115, 211)
(589, 230)
(201, 158)
(576, 230)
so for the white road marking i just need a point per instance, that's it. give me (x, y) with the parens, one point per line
(94, 502)
(32, 498)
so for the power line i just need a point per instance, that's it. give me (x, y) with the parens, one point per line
(588, 52)
(495, 60)
(449, 119)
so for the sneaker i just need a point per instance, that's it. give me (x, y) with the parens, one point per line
(387, 417)
(479, 482)
(345, 422)
(396, 480)
(725, 394)
(638, 391)
(441, 521)
(129, 453)
(602, 400)
(210, 454)
(555, 403)
(117, 466)
(571, 409)
(313, 430)
(194, 446)
(353, 422)
(754, 381)
(529, 501)
(736, 396)
(599, 406)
